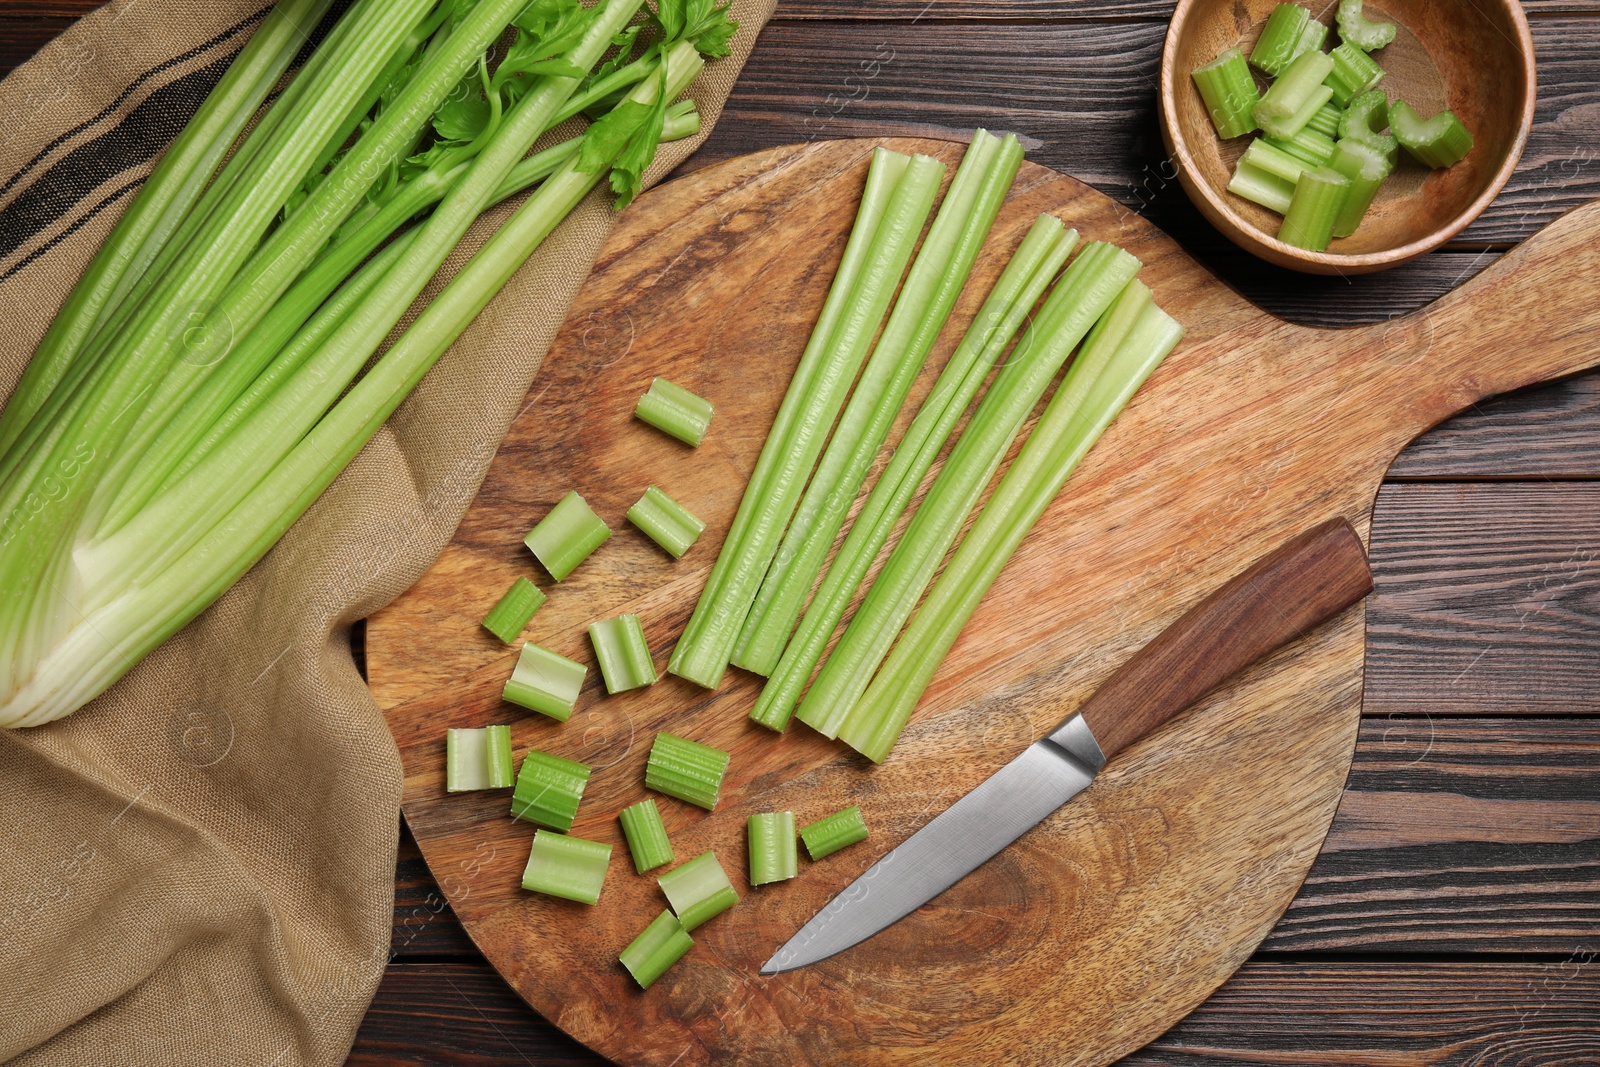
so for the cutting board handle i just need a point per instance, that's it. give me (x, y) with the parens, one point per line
(1284, 594)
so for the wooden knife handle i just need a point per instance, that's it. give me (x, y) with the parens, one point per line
(1301, 583)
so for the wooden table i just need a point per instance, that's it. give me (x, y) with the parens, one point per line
(1454, 914)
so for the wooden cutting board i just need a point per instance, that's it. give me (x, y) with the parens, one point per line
(1119, 914)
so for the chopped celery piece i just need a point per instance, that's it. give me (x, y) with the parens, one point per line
(900, 193)
(698, 890)
(1365, 119)
(513, 610)
(926, 299)
(1041, 254)
(1354, 72)
(1319, 196)
(548, 790)
(545, 681)
(1298, 94)
(565, 537)
(1261, 187)
(658, 946)
(665, 521)
(1269, 158)
(1437, 142)
(1367, 169)
(674, 410)
(477, 759)
(1128, 343)
(567, 867)
(1326, 121)
(1356, 30)
(1312, 38)
(1085, 290)
(774, 856)
(833, 832)
(1280, 38)
(624, 656)
(1229, 91)
(1310, 147)
(646, 834)
(685, 769)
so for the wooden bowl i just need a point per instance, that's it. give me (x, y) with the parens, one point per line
(1476, 59)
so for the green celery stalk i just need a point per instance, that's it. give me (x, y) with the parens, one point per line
(1356, 30)
(1354, 72)
(833, 832)
(666, 522)
(800, 430)
(1087, 288)
(1042, 253)
(774, 856)
(674, 410)
(698, 890)
(1291, 101)
(926, 299)
(1127, 346)
(513, 610)
(1319, 196)
(1271, 159)
(1261, 186)
(477, 759)
(646, 835)
(1367, 169)
(624, 656)
(546, 682)
(566, 867)
(1365, 120)
(1281, 38)
(1325, 121)
(567, 535)
(1312, 38)
(658, 947)
(1229, 91)
(549, 790)
(1441, 141)
(686, 769)
(1310, 147)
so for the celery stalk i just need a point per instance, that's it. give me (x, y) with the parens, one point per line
(1312, 38)
(1310, 147)
(1319, 196)
(1354, 72)
(567, 535)
(566, 867)
(646, 835)
(1325, 121)
(674, 410)
(548, 790)
(1441, 141)
(1356, 30)
(833, 832)
(1290, 102)
(1261, 187)
(624, 656)
(477, 759)
(774, 856)
(546, 682)
(658, 947)
(698, 890)
(686, 770)
(1229, 92)
(513, 610)
(1281, 37)
(1268, 158)
(1367, 169)
(1365, 120)
(666, 522)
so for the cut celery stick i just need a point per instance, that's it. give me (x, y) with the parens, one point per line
(833, 832)
(698, 890)
(658, 947)
(1365, 119)
(1229, 91)
(567, 867)
(1035, 262)
(1114, 363)
(774, 856)
(1367, 170)
(1441, 141)
(1270, 159)
(800, 429)
(1280, 39)
(513, 610)
(545, 681)
(624, 656)
(1356, 30)
(1298, 94)
(666, 522)
(674, 410)
(646, 834)
(1325, 121)
(548, 791)
(477, 759)
(1354, 72)
(1258, 186)
(1308, 146)
(920, 312)
(565, 537)
(1319, 196)
(1312, 38)
(685, 769)
(1087, 288)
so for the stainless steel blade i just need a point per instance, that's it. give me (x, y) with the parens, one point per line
(1006, 805)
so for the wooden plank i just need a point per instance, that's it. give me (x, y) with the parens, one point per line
(1548, 431)
(20, 38)
(1045, 10)
(1485, 601)
(424, 924)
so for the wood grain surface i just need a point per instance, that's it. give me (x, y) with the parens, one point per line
(1120, 913)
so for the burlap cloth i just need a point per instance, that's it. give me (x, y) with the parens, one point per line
(198, 868)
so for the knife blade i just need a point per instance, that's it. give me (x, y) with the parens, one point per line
(1302, 583)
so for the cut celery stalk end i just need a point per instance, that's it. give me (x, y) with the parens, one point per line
(698, 890)
(1310, 147)
(545, 681)
(1229, 91)
(1365, 119)
(1260, 187)
(646, 835)
(1290, 102)
(565, 537)
(1267, 157)
(624, 655)
(1280, 38)
(1356, 30)
(674, 410)
(549, 790)
(1319, 196)
(1354, 72)
(774, 855)
(686, 769)
(477, 759)
(513, 610)
(567, 867)
(1312, 38)
(833, 832)
(666, 522)
(658, 947)
(1367, 169)
(1441, 141)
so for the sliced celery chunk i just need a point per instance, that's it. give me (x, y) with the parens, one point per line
(513, 610)
(685, 769)
(698, 890)
(545, 681)
(477, 759)
(1367, 170)
(1281, 38)
(1298, 94)
(1441, 141)
(624, 656)
(548, 791)
(565, 537)
(1259, 186)
(666, 522)
(1229, 91)
(1354, 72)
(568, 867)
(646, 834)
(833, 832)
(1319, 196)
(774, 856)
(674, 410)
(658, 946)
(1356, 30)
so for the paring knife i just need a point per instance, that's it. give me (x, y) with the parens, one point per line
(1302, 583)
